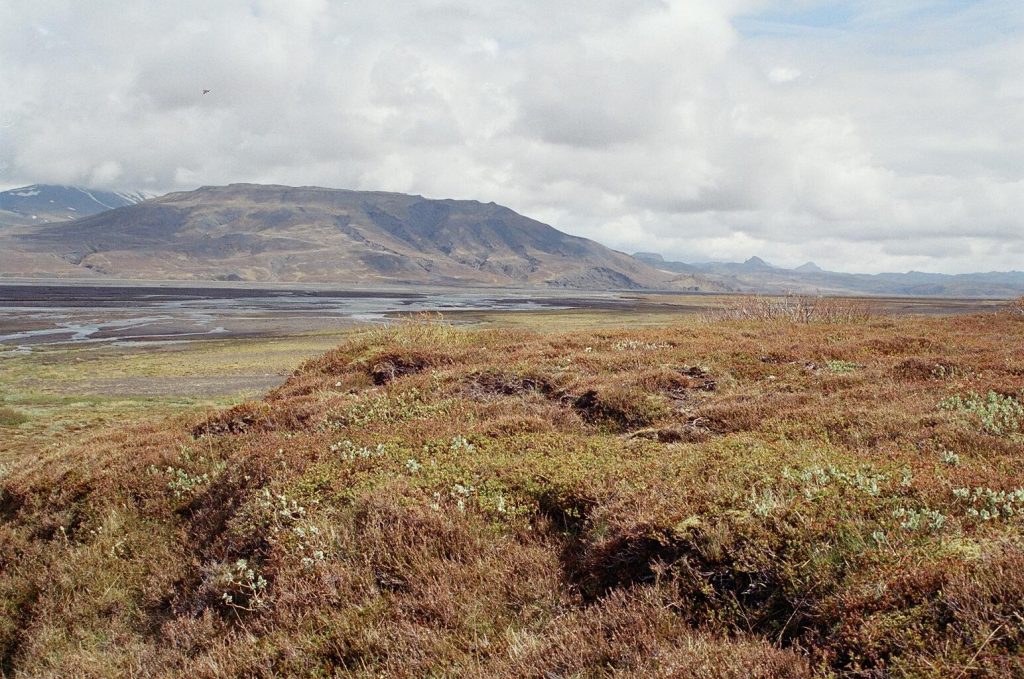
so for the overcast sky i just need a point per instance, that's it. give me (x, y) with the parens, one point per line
(865, 135)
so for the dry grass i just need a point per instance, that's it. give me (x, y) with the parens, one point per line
(733, 499)
(9, 417)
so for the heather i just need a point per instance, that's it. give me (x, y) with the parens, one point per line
(832, 495)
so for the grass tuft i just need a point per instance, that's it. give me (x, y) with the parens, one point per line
(9, 417)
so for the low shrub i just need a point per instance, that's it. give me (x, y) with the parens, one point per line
(998, 414)
(796, 309)
(622, 408)
(9, 417)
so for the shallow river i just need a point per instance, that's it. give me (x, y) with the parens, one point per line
(35, 315)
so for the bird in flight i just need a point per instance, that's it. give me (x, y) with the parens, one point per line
(206, 91)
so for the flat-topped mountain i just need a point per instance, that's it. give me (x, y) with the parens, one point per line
(42, 203)
(249, 232)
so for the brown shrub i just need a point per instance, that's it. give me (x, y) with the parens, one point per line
(255, 416)
(862, 428)
(986, 600)
(720, 573)
(864, 629)
(9, 417)
(777, 357)
(622, 408)
(623, 559)
(633, 634)
(513, 425)
(676, 381)
(914, 369)
(902, 344)
(500, 383)
(748, 412)
(690, 432)
(393, 365)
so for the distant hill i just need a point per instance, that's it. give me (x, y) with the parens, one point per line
(659, 262)
(42, 203)
(757, 275)
(809, 267)
(246, 232)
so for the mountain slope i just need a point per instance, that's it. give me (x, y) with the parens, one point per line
(277, 233)
(50, 203)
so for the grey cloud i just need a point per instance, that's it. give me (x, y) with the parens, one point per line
(653, 125)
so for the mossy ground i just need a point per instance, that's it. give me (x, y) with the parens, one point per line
(730, 499)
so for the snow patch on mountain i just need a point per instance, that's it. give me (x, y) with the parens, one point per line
(59, 203)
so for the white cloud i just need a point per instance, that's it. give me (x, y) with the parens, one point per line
(781, 74)
(886, 139)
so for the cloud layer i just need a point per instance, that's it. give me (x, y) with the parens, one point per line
(857, 135)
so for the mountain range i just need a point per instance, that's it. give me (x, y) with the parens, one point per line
(262, 233)
(757, 275)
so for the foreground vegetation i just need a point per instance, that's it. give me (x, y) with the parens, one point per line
(739, 498)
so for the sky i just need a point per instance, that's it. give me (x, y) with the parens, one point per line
(863, 135)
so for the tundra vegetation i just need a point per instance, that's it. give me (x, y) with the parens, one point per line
(764, 495)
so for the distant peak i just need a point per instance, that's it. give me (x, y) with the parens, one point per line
(649, 256)
(757, 262)
(809, 267)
